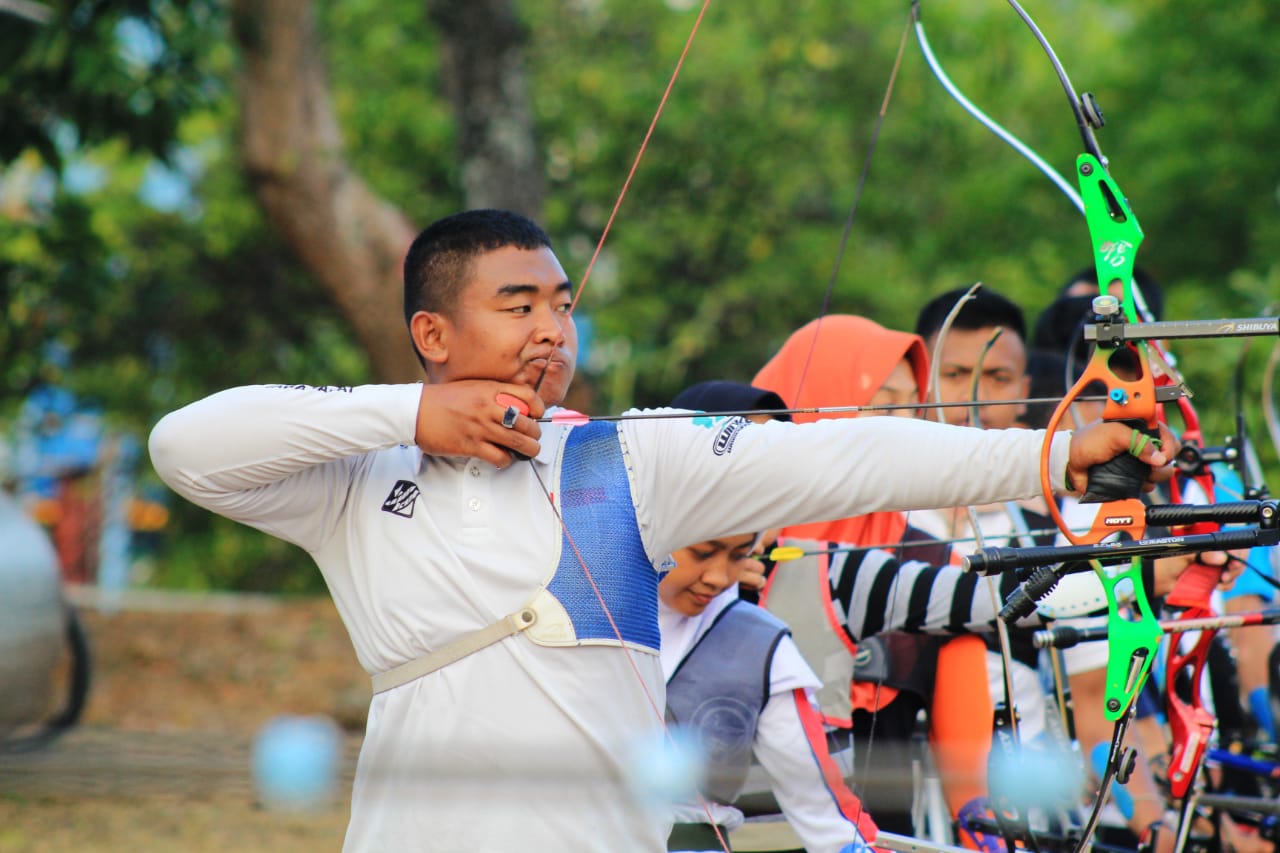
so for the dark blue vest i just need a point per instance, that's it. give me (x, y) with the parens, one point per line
(720, 688)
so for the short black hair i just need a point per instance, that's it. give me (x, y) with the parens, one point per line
(1060, 327)
(438, 262)
(1050, 379)
(986, 309)
(1152, 292)
(1047, 370)
(720, 395)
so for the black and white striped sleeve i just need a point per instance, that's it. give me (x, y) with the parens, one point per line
(872, 592)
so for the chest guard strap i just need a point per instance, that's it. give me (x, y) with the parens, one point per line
(594, 501)
(468, 643)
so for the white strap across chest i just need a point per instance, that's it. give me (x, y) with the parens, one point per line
(467, 644)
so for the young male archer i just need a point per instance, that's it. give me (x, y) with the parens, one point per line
(507, 612)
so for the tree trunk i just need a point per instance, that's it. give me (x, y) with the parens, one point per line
(353, 241)
(291, 150)
(484, 78)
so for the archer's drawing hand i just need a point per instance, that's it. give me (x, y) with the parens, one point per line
(465, 418)
(753, 569)
(753, 576)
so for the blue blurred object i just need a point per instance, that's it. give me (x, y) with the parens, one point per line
(115, 543)
(586, 337)
(1260, 707)
(56, 437)
(1034, 777)
(858, 846)
(78, 478)
(667, 769)
(1249, 764)
(1260, 559)
(295, 762)
(1123, 799)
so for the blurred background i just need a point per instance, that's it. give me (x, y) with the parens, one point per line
(201, 194)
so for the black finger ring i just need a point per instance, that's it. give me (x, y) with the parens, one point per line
(509, 417)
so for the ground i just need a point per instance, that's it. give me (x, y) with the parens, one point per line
(161, 758)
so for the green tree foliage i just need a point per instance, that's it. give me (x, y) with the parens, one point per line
(162, 300)
(1199, 131)
(730, 230)
(124, 70)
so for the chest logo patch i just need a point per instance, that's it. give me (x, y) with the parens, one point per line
(400, 501)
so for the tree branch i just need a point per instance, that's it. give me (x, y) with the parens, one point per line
(352, 241)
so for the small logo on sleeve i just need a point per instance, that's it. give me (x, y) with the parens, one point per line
(727, 435)
(323, 389)
(400, 501)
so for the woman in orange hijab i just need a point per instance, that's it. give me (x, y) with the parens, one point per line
(843, 360)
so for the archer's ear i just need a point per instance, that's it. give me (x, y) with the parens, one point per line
(430, 334)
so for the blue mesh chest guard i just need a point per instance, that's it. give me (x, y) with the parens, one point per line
(720, 688)
(600, 516)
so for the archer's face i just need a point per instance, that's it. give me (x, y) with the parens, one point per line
(511, 324)
(703, 571)
(898, 389)
(1004, 375)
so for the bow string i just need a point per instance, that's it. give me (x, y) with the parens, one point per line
(659, 712)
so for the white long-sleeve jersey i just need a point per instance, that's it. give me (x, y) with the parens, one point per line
(523, 746)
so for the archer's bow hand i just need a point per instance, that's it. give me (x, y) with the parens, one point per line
(1100, 442)
(466, 418)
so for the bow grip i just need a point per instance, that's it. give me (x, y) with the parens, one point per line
(1121, 477)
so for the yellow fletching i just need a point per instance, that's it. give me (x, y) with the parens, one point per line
(786, 552)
